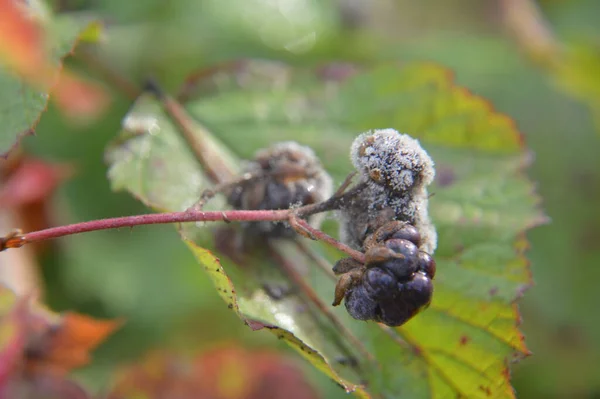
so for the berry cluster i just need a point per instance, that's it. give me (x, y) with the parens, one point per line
(389, 221)
(284, 175)
(395, 282)
(385, 216)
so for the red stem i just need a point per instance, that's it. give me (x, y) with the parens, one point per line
(16, 239)
(156, 218)
(319, 235)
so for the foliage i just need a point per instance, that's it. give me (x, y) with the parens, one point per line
(472, 317)
(482, 201)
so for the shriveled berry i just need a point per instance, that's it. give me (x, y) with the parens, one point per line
(278, 196)
(427, 264)
(380, 284)
(408, 232)
(359, 303)
(402, 267)
(283, 175)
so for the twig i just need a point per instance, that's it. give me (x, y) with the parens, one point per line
(321, 262)
(333, 203)
(393, 333)
(314, 298)
(214, 166)
(108, 73)
(345, 184)
(16, 239)
(194, 79)
(317, 234)
(210, 193)
(531, 31)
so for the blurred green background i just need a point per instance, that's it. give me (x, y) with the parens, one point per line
(147, 276)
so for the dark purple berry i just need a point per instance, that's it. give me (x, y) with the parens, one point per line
(380, 284)
(408, 232)
(413, 297)
(417, 292)
(402, 267)
(359, 304)
(393, 313)
(427, 264)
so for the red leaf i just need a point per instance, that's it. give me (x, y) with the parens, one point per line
(38, 348)
(26, 188)
(23, 49)
(21, 44)
(225, 373)
(32, 181)
(66, 344)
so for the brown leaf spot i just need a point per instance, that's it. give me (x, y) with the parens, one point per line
(464, 340)
(486, 390)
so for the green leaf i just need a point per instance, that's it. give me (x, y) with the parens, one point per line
(461, 345)
(21, 104)
(143, 164)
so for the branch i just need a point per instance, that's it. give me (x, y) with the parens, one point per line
(531, 31)
(196, 136)
(17, 239)
(108, 73)
(306, 230)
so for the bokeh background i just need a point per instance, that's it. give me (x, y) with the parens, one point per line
(148, 277)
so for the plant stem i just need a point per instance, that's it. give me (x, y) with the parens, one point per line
(196, 136)
(108, 73)
(319, 235)
(153, 218)
(312, 296)
(16, 239)
(531, 31)
(318, 260)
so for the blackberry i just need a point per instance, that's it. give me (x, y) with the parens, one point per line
(406, 262)
(380, 284)
(394, 284)
(408, 232)
(360, 305)
(427, 264)
(414, 296)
